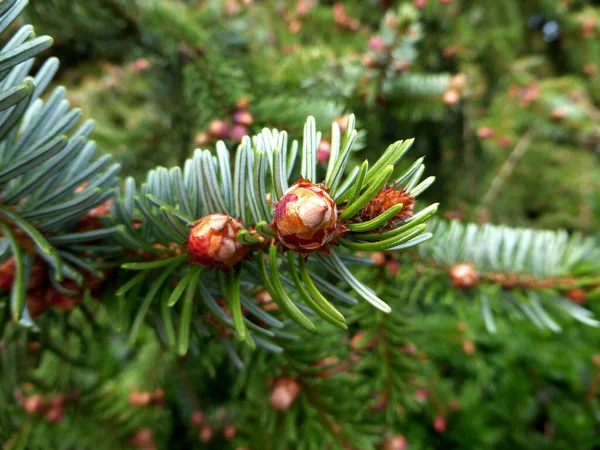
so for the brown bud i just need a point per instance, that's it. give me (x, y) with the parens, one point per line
(464, 276)
(284, 393)
(213, 242)
(142, 438)
(469, 347)
(378, 258)
(243, 103)
(362, 341)
(384, 200)
(55, 415)
(558, 114)
(306, 219)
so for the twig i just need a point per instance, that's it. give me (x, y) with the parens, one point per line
(507, 169)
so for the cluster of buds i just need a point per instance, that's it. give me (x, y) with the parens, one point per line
(464, 276)
(213, 242)
(284, 393)
(50, 407)
(41, 293)
(306, 219)
(234, 129)
(455, 89)
(143, 439)
(144, 398)
(343, 19)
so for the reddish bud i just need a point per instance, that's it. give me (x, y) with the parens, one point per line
(451, 97)
(485, 133)
(266, 301)
(137, 398)
(243, 117)
(103, 209)
(576, 295)
(202, 139)
(206, 434)
(596, 360)
(306, 219)
(140, 65)
(218, 128)
(464, 276)
(237, 132)
(229, 432)
(558, 114)
(376, 44)
(342, 122)
(197, 418)
(420, 4)
(323, 152)
(213, 242)
(421, 395)
(34, 404)
(393, 267)
(362, 341)
(439, 424)
(54, 415)
(284, 393)
(142, 438)
(378, 258)
(395, 443)
(7, 274)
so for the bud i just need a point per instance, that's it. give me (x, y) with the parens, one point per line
(306, 219)
(384, 200)
(137, 398)
(218, 128)
(378, 258)
(142, 438)
(237, 132)
(323, 151)
(439, 424)
(420, 4)
(393, 267)
(243, 117)
(558, 114)
(140, 65)
(243, 103)
(362, 341)
(369, 61)
(197, 418)
(485, 133)
(206, 434)
(421, 395)
(34, 404)
(464, 276)
(284, 393)
(376, 44)
(229, 432)
(395, 443)
(103, 209)
(576, 295)
(451, 97)
(213, 243)
(158, 398)
(201, 139)
(55, 415)
(469, 347)
(7, 274)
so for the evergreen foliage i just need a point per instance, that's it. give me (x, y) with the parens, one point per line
(118, 331)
